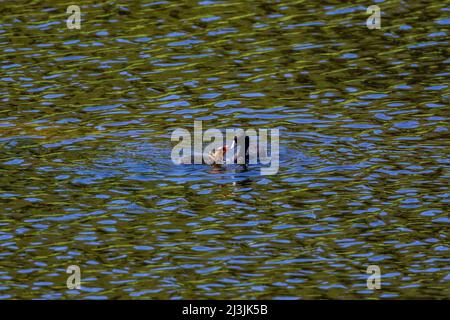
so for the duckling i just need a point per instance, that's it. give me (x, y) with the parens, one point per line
(216, 157)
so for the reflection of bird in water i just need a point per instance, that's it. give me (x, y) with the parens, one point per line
(245, 183)
(217, 169)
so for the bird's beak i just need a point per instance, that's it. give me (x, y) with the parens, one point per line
(233, 144)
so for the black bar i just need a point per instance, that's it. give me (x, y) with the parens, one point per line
(226, 309)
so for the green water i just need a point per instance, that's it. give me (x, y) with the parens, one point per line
(85, 171)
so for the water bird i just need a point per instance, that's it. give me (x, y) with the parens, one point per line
(242, 155)
(216, 157)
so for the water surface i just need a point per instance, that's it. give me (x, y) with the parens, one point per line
(86, 177)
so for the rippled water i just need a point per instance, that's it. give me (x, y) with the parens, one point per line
(86, 176)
